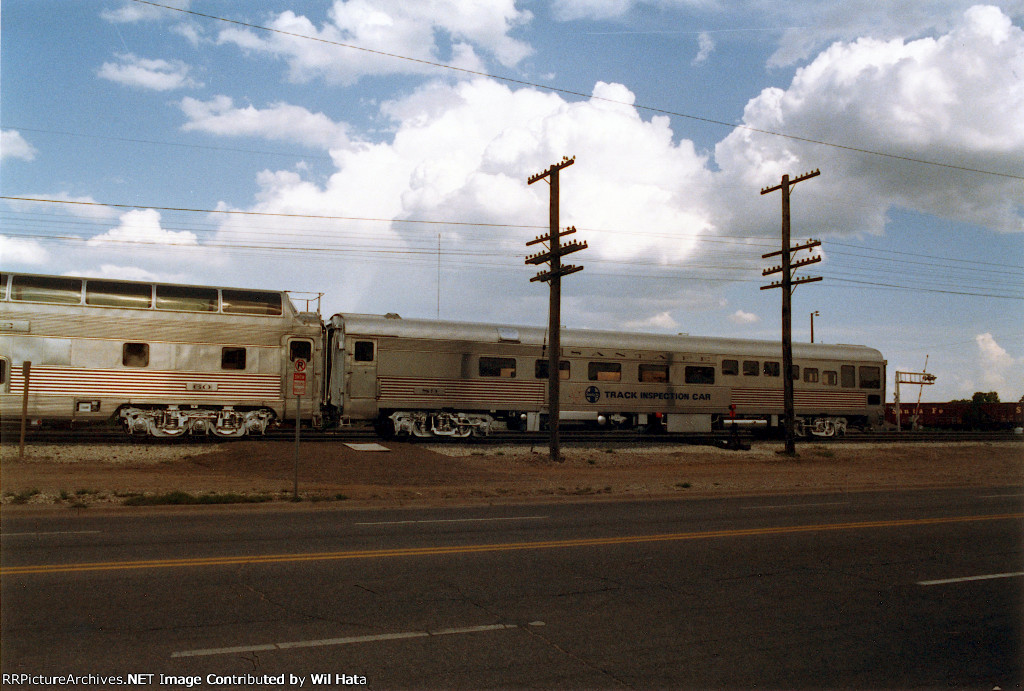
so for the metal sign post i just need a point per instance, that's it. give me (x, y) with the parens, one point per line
(298, 390)
(26, 370)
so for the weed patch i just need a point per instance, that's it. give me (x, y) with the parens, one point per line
(187, 498)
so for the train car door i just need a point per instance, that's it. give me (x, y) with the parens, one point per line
(362, 381)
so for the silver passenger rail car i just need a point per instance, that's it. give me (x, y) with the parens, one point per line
(456, 379)
(163, 359)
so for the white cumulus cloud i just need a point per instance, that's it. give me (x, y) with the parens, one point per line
(1000, 371)
(741, 317)
(955, 100)
(13, 145)
(663, 321)
(705, 46)
(131, 12)
(142, 227)
(282, 121)
(22, 251)
(443, 31)
(464, 151)
(158, 75)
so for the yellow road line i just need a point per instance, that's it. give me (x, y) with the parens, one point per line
(498, 547)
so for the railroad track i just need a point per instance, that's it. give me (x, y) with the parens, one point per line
(104, 435)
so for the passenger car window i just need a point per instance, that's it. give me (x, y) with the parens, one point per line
(870, 378)
(498, 367)
(62, 291)
(750, 368)
(811, 375)
(699, 375)
(829, 378)
(303, 350)
(604, 371)
(186, 298)
(118, 294)
(232, 358)
(653, 374)
(540, 370)
(772, 369)
(363, 351)
(135, 355)
(848, 376)
(730, 366)
(250, 302)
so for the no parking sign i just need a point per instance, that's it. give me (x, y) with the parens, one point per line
(299, 378)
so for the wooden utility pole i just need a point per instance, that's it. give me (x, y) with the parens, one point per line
(788, 283)
(553, 277)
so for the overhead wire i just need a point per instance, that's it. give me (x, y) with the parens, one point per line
(490, 258)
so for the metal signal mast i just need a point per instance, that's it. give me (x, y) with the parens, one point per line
(553, 277)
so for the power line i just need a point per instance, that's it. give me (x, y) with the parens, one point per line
(926, 256)
(742, 240)
(166, 143)
(426, 255)
(333, 234)
(260, 213)
(511, 80)
(929, 290)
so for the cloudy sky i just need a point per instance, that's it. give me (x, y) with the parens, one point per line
(377, 151)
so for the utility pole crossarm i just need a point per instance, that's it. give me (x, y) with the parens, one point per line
(560, 251)
(792, 265)
(810, 244)
(564, 163)
(561, 271)
(546, 238)
(786, 180)
(793, 282)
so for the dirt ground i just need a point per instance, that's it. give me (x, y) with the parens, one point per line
(428, 474)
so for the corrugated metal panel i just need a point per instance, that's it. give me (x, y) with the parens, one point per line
(489, 393)
(183, 387)
(758, 400)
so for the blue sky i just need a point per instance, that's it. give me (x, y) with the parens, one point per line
(399, 185)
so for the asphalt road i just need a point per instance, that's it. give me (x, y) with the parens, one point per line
(810, 591)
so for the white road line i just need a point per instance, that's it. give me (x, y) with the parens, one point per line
(55, 532)
(348, 640)
(790, 506)
(988, 577)
(457, 520)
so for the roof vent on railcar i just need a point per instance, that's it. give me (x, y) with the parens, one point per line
(508, 334)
